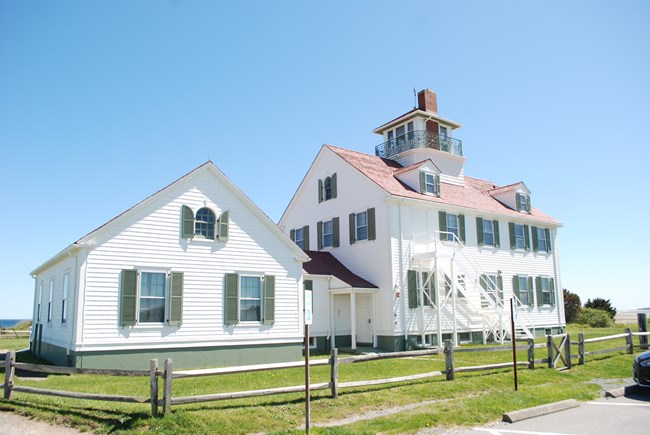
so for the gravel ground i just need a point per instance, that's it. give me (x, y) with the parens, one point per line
(14, 424)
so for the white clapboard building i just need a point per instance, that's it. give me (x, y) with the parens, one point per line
(408, 251)
(195, 272)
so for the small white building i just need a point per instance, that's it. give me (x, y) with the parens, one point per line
(195, 272)
(445, 253)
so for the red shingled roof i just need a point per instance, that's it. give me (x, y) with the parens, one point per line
(475, 194)
(324, 263)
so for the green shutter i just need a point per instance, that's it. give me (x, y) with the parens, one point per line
(551, 283)
(528, 204)
(188, 222)
(175, 299)
(372, 229)
(305, 237)
(128, 297)
(423, 182)
(442, 224)
(511, 231)
(231, 299)
(479, 231)
(319, 235)
(335, 232)
(538, 288)
(530, 291)
(292, 235)
(353, 227)
(412, 288)
(515, 286)
(497, 236)
(269, 299)
(517, 201)
(547, 232)
(320, 190)
(334, 185)
(535, 239)
(461, 227)
(436, 180)
(527, 237)
(223, 224)
(308, 284)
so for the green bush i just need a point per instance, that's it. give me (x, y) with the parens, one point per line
(595, 318)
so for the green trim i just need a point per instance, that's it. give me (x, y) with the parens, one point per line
(352, 222)
(175, 299)
(269, 299)
(305, 237)
(128, 297)
(187, 229)
(223, 223)
(372, 228)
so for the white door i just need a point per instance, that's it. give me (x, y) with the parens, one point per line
(364, 319)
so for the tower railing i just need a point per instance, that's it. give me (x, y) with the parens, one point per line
(419, 139)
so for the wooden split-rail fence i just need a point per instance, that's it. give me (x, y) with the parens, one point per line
(165, 400)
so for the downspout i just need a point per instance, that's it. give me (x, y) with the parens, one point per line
(401, 274)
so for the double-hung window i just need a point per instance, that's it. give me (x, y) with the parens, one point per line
(522, 287)
(49, 303)
(523, 202)
(487, 232)
(301, 237)
(545, 291)
(249, 298)
(541, 239)
(328, 233)
(362, 225)
(519, 236)
(429, 183)
(452, 226)
(64, 298)
(151, 297)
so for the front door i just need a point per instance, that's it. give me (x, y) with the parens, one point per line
(364, 319)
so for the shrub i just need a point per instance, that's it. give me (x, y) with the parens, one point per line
(601, 304)
(572, 306)
(595, 318)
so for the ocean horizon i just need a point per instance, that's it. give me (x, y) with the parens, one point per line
(9, 323)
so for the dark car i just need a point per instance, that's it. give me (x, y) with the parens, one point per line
(641, 369)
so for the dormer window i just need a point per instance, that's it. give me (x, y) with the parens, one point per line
(523, 203)
(429, 183)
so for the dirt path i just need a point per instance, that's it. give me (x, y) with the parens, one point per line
(14, 424)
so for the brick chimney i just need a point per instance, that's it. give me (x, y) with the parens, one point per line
(427, 101)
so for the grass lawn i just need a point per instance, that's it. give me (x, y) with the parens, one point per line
(473, 398)
(14, 343)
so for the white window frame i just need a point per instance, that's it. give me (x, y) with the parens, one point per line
(488, 230)
(545, 283)
(455, 229)
(49, 303)
(361, 229)
(542, 243)
(521, 237)
(523, 289)
(165, 298)
(329, 234)
(299, 237)
(240, 298)
(64, 298)
(430, 183)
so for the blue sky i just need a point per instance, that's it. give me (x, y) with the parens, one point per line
(105, 103)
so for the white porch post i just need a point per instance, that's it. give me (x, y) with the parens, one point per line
(353, 318)
(374, 320)
(332, 322)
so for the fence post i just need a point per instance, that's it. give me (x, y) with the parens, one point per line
(549, 351)
(567, 351)
(153, 386)
(628, 341)
(167, 387)
(449, 360)
(10, 359)
(531, 353)
(581, 349)
(643, 327)
(334, 372)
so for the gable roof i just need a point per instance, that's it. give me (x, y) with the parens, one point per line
(475, 194)
(324, 263)
(208, 166)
